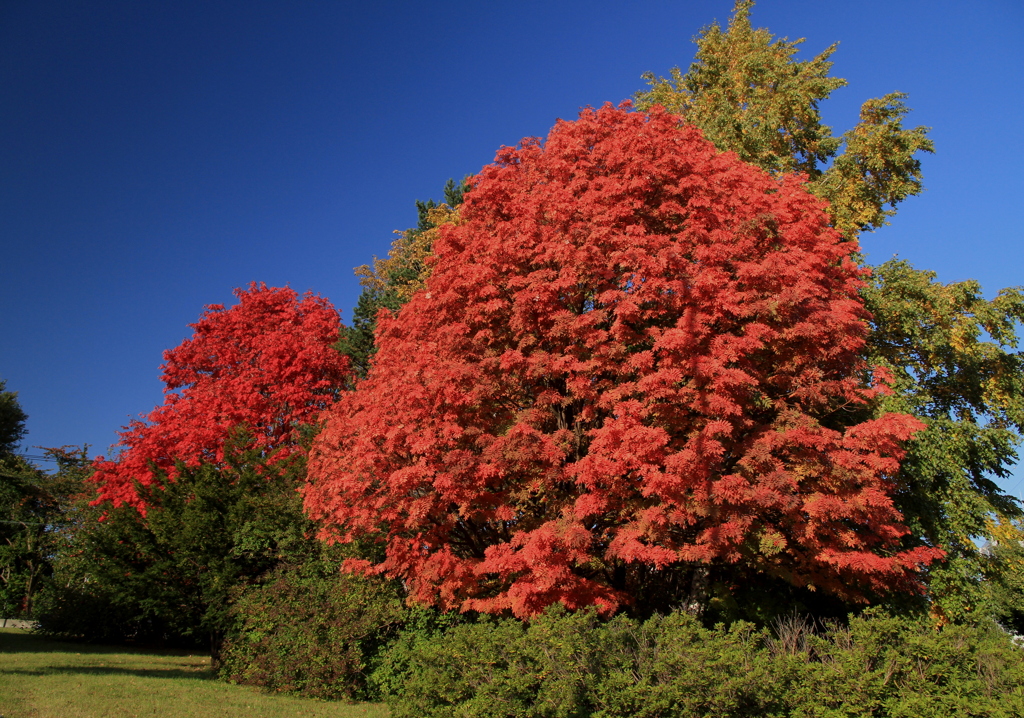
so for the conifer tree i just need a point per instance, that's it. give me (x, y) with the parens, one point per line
(389, 283)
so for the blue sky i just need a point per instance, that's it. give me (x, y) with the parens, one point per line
(155, 155)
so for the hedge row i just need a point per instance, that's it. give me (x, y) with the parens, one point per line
(574, 666)
(309, 630)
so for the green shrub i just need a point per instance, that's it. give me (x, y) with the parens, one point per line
(563, 665)
(397, 664)
(674, 666)
(309, 629)
(903, 667)
(495, 668)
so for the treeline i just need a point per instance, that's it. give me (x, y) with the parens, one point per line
(623, 427)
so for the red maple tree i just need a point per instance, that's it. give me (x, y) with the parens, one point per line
(633, 358)
(265, 364)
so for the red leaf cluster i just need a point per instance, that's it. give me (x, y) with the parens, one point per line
(265, 364)
(635, 354)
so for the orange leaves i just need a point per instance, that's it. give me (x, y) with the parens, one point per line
(266, 365)
(632, 360)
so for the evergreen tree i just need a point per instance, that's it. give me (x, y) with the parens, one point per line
(12, 421)
(390, 283)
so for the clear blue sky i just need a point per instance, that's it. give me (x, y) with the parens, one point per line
(155, 155)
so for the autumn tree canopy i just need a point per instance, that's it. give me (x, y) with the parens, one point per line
(630, 364)
(266, 364)
(953, 354)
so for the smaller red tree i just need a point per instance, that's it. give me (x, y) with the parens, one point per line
(266, 364)
(636, 361)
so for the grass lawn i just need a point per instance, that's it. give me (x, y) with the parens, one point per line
(49, 679)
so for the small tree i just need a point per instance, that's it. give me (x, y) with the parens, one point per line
(631, 364)
(12, 421)
(266, 363)
(37, 510)
(34, 508)
(172, 574)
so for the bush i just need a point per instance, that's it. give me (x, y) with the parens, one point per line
(565, 665)
(311, 630)
(887, 666)
(495, 668)
(397, 664)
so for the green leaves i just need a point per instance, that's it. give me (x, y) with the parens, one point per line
(310, 629)
(12, 420)
(171, 572)
(951, 354)
(878, 168)
(561, 665)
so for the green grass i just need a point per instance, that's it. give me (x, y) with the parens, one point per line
(40, 678)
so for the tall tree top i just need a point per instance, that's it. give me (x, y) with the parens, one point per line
(750, 95)
(265, 364)
(12, 420)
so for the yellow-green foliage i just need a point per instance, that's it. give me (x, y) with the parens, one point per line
(1005, 556)
(952, 357)
(405, 270)
(749, 95)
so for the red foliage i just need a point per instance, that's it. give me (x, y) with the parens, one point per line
(265, 364)
(633, 356)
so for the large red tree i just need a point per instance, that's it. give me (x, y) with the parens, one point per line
(633, 359)
(265, 365)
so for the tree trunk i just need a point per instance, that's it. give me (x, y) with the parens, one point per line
(697, 600)
(216, 644)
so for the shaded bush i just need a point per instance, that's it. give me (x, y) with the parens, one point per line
(108, 588)
(309, 629)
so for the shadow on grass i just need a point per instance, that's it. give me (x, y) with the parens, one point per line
(14, 642)
(200, 674)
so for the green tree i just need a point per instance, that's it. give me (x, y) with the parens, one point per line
(170, 572)
(25, 508)
(1005, 554)
(951, 353)
(37, 511)
(389, 283)
(12, 421)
